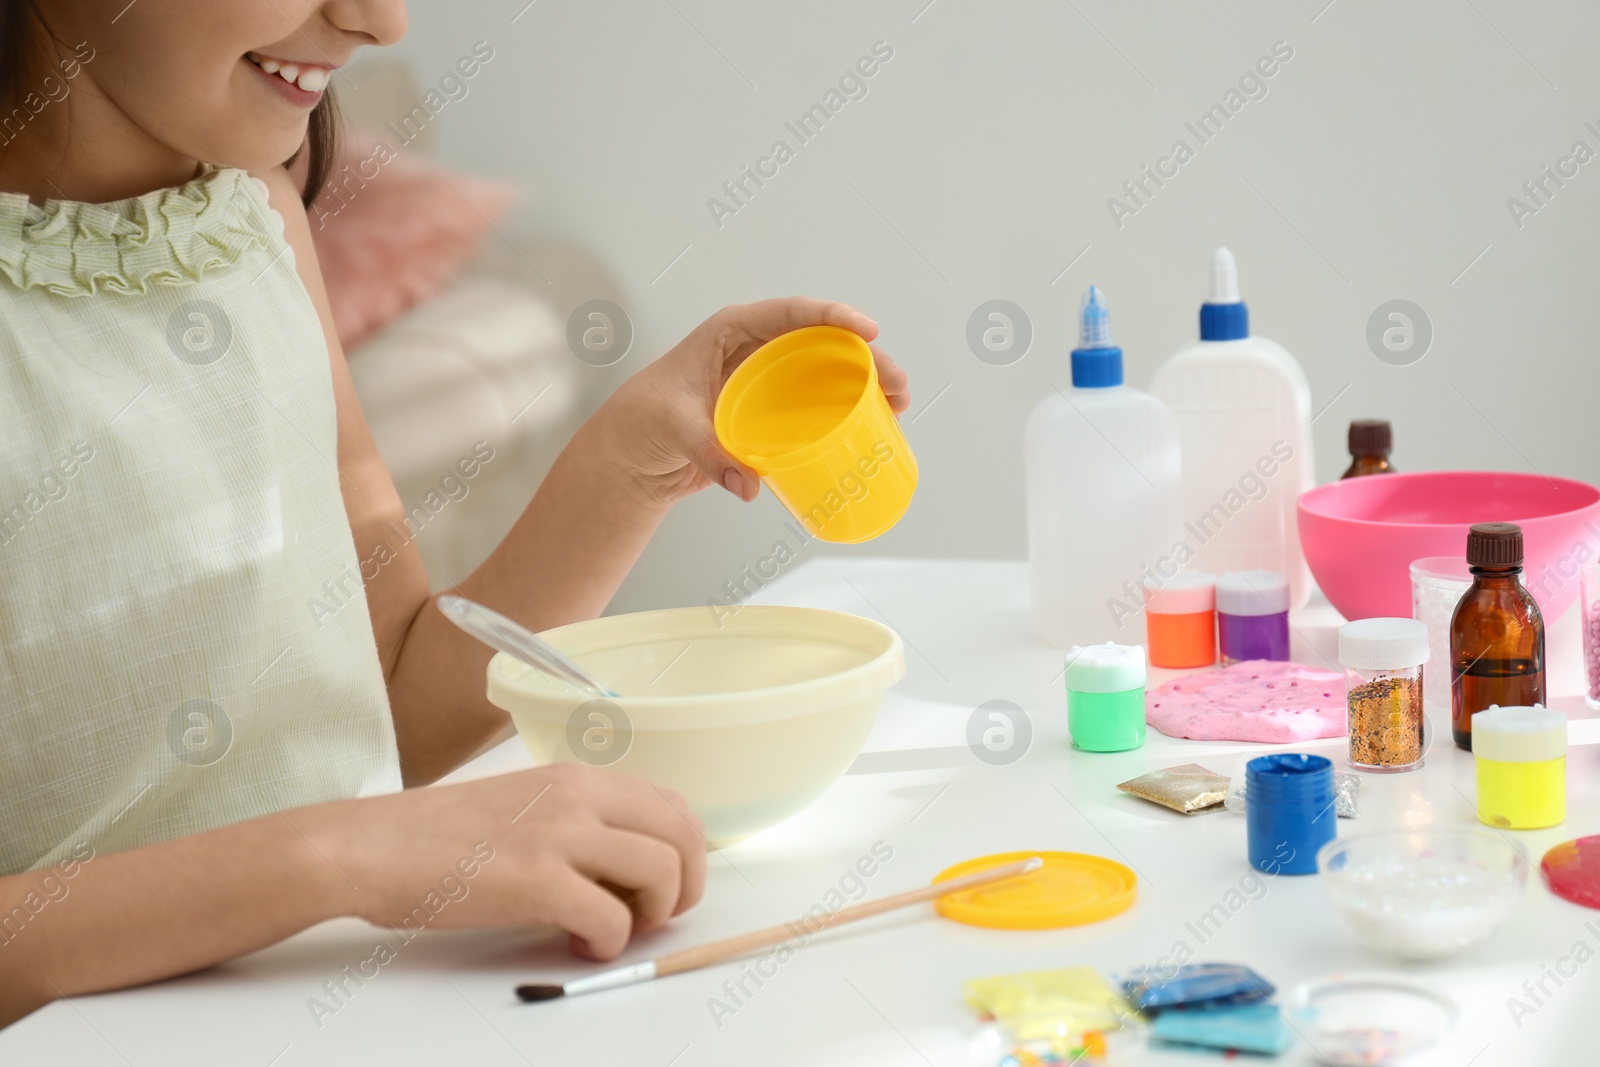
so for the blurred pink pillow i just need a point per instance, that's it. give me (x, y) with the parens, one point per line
(391, 229)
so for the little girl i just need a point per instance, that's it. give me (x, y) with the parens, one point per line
(192, 765)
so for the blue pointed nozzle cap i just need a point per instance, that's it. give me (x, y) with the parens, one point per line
(1097, 361)
(1224, 317)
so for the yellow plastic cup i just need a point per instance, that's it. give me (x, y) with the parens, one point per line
(805, 411)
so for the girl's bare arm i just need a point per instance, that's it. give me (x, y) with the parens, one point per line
(103, 922)
(471, 855)
(650, 445)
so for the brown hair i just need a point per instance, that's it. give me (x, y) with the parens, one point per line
(21, 19)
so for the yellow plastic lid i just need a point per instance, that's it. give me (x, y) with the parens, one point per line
(1071, 889)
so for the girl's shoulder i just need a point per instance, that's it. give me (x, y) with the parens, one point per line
(283, 195)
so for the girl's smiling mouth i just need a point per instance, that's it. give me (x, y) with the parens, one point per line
(300, 83)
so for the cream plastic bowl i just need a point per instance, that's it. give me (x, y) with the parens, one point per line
(1425, 893)
(750, 713)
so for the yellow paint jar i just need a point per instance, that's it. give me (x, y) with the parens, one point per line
(1521, 759)
(807, 413)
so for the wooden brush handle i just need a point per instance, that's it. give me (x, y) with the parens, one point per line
(728, 948)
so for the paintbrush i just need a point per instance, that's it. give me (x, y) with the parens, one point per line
(703, 956)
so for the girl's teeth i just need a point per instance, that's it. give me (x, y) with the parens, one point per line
(309, 79)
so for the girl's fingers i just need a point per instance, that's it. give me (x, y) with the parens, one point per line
(647, 809)
(766, 319)
(646, 867)
(722, 469)
(896, 383)
(594, 917)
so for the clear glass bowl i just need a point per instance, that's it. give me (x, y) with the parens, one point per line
(1363, 1020)
(1422, 894)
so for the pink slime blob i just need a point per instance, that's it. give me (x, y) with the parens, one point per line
(1257, 700)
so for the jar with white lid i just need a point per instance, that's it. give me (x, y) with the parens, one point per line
(1521, 763)
(1253, 616)
(1382, 660)
(1105, 697)
(1180, 616)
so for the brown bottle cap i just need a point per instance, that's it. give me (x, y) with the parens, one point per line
(1371, 437)
(1494, 544)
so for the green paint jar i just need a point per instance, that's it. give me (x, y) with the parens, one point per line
(1105, 697)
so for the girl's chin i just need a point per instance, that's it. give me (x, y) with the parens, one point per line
(266, 156)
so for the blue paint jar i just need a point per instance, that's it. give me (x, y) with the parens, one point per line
(1290, 810)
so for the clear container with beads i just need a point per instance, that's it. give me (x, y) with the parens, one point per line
(1590, 612)
(1437, 585)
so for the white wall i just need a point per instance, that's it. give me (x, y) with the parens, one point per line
(979, 165)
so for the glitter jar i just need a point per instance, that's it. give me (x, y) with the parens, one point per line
(1289, 811)
(1180, 617)
(1383, 661)
(1521, 760)
(1253, 616)
(1105, 697)
(1437, 585)
(1589, 609)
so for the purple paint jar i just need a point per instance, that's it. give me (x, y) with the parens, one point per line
(1253, 616)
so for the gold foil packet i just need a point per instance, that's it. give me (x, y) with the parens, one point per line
(1189, 788)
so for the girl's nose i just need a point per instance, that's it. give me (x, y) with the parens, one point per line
(380, 21)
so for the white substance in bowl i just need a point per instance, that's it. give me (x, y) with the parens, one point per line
(1425, 893)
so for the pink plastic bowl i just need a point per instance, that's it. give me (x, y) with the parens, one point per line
(1360, 535)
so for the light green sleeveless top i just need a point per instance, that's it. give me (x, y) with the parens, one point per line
(170, 509)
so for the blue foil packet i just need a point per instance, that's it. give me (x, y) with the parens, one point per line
(1194, 984)
(1233, 1027)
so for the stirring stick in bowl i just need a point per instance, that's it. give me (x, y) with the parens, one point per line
(690, 959)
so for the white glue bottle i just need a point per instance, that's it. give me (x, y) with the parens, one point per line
(1244, 414)
(1104, 490)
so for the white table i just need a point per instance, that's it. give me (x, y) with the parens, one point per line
(888, 991)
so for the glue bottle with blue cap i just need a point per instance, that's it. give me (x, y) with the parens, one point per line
(1104, 488)
(1243, 408)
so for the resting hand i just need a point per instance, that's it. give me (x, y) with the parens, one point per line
(599, 854)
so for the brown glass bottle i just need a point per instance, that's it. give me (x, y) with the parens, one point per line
(1371, 441)
(1496, 633)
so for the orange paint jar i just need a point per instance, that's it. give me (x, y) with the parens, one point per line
(1181, 620)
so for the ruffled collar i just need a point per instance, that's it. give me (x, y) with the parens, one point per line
(166, 237)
